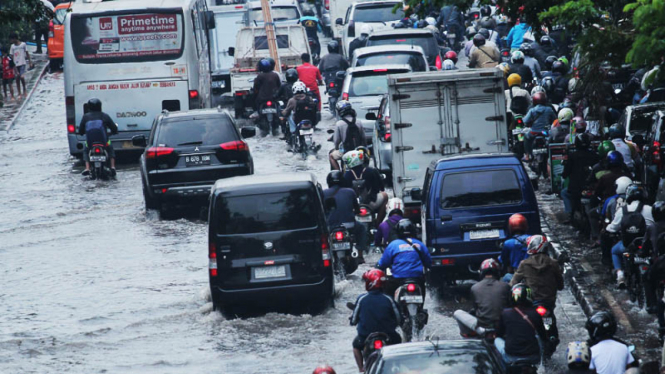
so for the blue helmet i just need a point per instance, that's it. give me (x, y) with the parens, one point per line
(614, 158)
(265, 65)
(617, 131)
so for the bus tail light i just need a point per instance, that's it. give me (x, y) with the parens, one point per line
(212, 259)
(70, 112)
(194, 102)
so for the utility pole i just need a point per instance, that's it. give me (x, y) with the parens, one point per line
(270, 33)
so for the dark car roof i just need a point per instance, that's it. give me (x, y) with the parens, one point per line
(272, 181)
(477, 159)
(194, 113)
(427, 346)
(648, 107)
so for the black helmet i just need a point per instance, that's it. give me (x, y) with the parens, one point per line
(601, 325)
(545, 40)
(658, 211)
(485, 11)
(478, 40)
(484, 32)
(559, 67)
(527, 49)
(635, 192)
(582, 141)
(487, 22)
(309, 13)
(291, 75)
(405, 229)
(334, 178)
(264, 65)
(272, 63)
(471, 32)
(617, 131)
(549, 61)
(521, 295)
(333, 46)
(94, 105)
(548, 84)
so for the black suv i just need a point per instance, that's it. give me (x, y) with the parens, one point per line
(268, 243)
(188, 151)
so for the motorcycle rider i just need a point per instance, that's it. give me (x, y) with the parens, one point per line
(451, 55)
(300, 105)
(616, 169)
(560, 82)
(332, 62)
(346, 138)
(490, 296)
(96, 125)
(629, 225)
(518, 100)
(346, 210)
(600, 169)
(372, 192)
(539, 118)
(517, 66)
(577, 168)
(559, 133)
(387, 231)
(653, 247)
(468, 46)
(515, 37)
(406, 257)
(514, 250)
(627, 150)
(527, 49)
(578, 357)
(361, 41)
(490, 38)
(451, 20)
(483, 56)
(374, 311)
(545, 49)
(608, 355)
(311, 76)
(543, 276)
(521, 331)
(488, 23)
(312, 27)
(266, 85)
(286, 89)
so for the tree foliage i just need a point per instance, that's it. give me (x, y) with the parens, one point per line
(649, 33)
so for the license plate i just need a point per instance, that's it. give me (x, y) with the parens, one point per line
(269, 111)
(585, 200)
(517, 131)
(270, 272)
(450, 36)
(218, 84)
(539, 151)
(341, 246)
(547, 321)
(307, 132)
(483, 234)
(641, 260)
(98, 158)
(197, 160)
(364, 219)
(418, 299)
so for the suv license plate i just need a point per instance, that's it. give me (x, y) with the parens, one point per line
(197, 160)
(412, 299)
(483, 234)
(270, 272)
(307, 132)
(517, 131)
(97, 158)
(268, 111)
(341, 246)
(364, 219)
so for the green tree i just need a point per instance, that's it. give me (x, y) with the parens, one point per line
(649, 32)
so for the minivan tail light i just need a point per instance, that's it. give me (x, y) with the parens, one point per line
(237, 145)
(212, 259)
(156, 152)
(325, 251)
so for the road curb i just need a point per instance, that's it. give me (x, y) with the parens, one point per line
(27, 99)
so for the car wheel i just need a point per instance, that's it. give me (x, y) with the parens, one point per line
(150, 202)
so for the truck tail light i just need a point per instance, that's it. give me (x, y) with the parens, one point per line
(212, 259)
(656, 152)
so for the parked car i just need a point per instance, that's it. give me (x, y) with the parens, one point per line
(223, 40)
(466, 203)
(56, 36)
(441, 356)
(364, 87)
(637, 119)
(380, 15)
(381, 137)
(269, 243)
(411, 55)
(187, 152)
(420, 37)
(653, 154)
(284, 12)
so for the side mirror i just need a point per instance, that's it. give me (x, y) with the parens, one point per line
(339, 21)
(232, 51)
(139, 141)
(330, 204)
(210, 19)
(416, 194)
(248, 132)
(370, 116)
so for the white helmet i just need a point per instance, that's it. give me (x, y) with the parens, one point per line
(431, 21)
(394, 203)
(299, 87)
(353, 158)
(537, 89)
(578, 355)
(448, 65)
(621, 184)
(366, 29)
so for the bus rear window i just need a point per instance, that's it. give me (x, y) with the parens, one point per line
(132, 37)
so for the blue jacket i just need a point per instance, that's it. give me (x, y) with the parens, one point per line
(514, 251)
(540, 117)
(375, 312)
(515, 37)
(403, 260)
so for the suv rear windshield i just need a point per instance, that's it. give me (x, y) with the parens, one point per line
(282, 211)
(370, 83)
(202, 131)
(377, 13)
(414, 60)
(425, 41)
(480, 188)
(131, 37)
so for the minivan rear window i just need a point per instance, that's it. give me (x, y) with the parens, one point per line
(414, 60)
(480, 188)
(425, 41)
(281, 211)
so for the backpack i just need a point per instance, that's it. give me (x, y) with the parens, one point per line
(353, 137)
(518, 104)
(95, 132)
(392, 232)
(360, 187)
(633, 224)
(305, 109)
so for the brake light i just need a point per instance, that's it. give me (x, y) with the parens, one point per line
(378, 344)
(71, 129)
(50, 29)
(506, 53)
(656, 151)
(241, 93)
(387, 136)
(645, 268)
(519, 121)
(411, 287)
(412, 213)
(70, 113)
(239, 6)
(332, 84)
(269, 262)
(345, 96)
(156, 152)
(193, 94)
(438, 62)
(325, 251)
(448, 261)
(212, 259)
(476, 15)
(541, 310)
(339, 236)
(380, 70)
(363, 211)
(237, 145)
(98, 150)
(327, 4)
(400, 40)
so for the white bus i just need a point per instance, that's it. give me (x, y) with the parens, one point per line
(139, 57)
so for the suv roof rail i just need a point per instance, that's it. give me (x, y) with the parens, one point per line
(165, 112)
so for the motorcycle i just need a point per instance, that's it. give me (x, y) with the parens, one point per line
(100, 162)
(505, 55)
(302, 141)
(518, 135)
(538, 163)
(551, 332)
(373, 344)
(580, 219)
(636, 267)
(315, 47)
(522, 366)
(410, 299)
(268, 118)
(344, 254)
(334, 89)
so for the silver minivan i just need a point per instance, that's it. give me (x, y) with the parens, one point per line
(411, 55)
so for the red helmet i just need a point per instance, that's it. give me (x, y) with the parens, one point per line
(450, 55)
(490, 266)
(517, 223)
(536, 244)
(324, 369)
(374, 279)
(539, 98)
